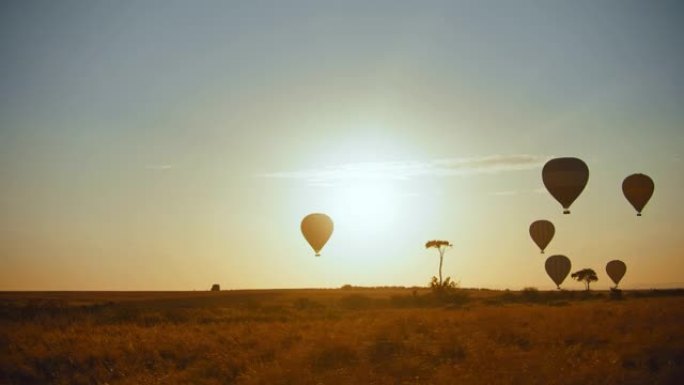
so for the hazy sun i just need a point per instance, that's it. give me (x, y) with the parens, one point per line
(366, 204)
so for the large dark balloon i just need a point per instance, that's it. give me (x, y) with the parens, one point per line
(557, 267)
(616, 270)
(638, 189)
(317, 229)
(565, 178)
(542, 232)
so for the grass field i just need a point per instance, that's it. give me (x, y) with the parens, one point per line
(341, 336)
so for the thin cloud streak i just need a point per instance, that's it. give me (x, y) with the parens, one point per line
(159, 167)
(518, 192)
(404, 170)
(505, 193)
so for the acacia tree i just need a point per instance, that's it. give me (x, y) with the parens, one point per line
(585, 275)
(441, 247)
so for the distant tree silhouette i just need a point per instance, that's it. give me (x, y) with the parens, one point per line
(441, 247)
(585, 275)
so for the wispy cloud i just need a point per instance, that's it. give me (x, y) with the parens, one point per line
(503, 193)
(403, 170)
(159, 167)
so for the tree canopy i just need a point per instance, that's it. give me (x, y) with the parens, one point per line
(437, 244)
(585, 275)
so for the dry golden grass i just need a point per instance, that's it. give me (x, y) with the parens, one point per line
(356, 336)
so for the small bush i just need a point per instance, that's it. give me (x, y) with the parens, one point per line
(530, 292)
(447, 292)
(445, 287)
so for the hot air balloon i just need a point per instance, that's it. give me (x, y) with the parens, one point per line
(557, 267)
(638, 189)
(542, 232)
(565, 178)
(616, 270)
(317, 229)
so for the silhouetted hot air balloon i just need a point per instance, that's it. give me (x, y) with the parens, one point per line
(565, 178)
(557, 267)
(542, 232)
(317, 229)
(638, 189)
(616, 270)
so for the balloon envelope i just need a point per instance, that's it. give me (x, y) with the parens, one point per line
(542, 232)
(317, 229)
(565, 178)
(616, 270)
(638, 189)
(557, 267)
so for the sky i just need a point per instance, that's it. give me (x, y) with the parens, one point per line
(170, 145)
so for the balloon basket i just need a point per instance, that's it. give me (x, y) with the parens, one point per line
(566, 211)
(615, 293)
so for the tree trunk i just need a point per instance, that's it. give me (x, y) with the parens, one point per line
(441, 259)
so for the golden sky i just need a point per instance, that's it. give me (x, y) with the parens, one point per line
(171, 146)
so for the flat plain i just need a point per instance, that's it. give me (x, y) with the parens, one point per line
(342, 336)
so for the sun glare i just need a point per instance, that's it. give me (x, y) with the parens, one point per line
(367, 204)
